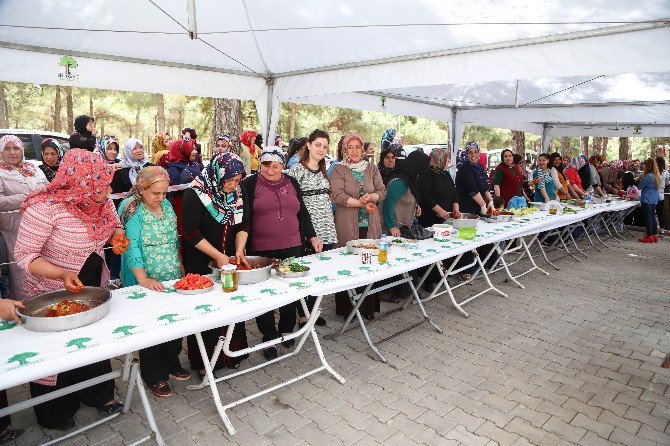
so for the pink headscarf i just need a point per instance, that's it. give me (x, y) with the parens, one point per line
(81, 178)
(24, 168)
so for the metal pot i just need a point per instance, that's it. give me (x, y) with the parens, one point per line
(35, 307)
(466, 221)
(261, 270)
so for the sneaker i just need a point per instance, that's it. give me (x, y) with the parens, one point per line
(656, 238)
(180, 374)
(270, 353)
(162, 389)
(111, 408)
(647, 239)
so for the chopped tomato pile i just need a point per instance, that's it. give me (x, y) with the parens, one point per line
(65, 308)
(193, 282)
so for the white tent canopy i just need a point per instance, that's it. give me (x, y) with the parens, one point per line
(543, 66)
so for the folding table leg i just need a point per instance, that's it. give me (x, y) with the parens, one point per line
(135, 380)
(544, 254)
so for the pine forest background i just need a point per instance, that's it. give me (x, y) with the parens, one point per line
(134, 114)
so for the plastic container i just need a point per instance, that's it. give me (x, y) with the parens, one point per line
(229, 278)
(382, 257)
(467, 233)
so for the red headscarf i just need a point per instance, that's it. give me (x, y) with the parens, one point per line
(247, 138)
(180, 150)
(81, 178)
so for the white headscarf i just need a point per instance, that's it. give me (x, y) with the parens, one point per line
(130, 161)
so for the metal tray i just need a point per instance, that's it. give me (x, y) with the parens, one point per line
(363, 241)
(200, 291)
(292, 275)
(466, 221)
(36, 306)
(262, 272)
(498, 218)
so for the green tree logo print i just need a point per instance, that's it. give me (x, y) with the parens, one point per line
(207, 308)
(241, 299)
(170, 318)
(68, 62)
(78, 342)
(299, 285)
(367, 269)
(344, 272)
(321, 279)
(269, 291)
(324, 258)
(22, 358)
(6, 325)
(137, 294)
(170, 289)
(125, 330)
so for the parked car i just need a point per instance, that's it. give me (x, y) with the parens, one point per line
(32, 140)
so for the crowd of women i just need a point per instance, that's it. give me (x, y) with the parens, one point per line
(235, 205)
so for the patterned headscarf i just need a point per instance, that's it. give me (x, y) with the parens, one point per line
(130, 161)
(387, 138)
(274, 154)
(438, 160)
(26, 169)
(103, 146)
(248, 137)
(49, 171)
(82, 177)
(209, 186)
(615, 168)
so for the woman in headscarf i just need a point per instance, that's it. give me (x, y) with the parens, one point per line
(208, 215)
(134, 160)
(594, 170)
(253, 143)
(18, 178)
(152, 257)
(472, 184)
(356, 187)
(403, 194)
(159, 148)
(52, 155)
(275, 224)
(561, 183)
(584, 171)
(386, 164)
(572, 174)
(387, 138)
(64, 228)
(181, 162)
(84, 133)
(109, 149)
(439, 197)
(222, 144)
(609, 176)
(507, 183)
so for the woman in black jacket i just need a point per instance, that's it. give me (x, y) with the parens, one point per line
(437, 190)
(84, 133)
(275, 224)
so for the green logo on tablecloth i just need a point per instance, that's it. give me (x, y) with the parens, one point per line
(170, 289)
(6, 325)
(321, 279)
(346, 253)
(137, 295)
(207, 308)
(324, 258)
(78, 342)
(270, 291)
(344, 272)
(170, 318)
(403, 259)
(241, 299)
(431, 250)
(303, 262)
(367, 269)
(22, 358)
(298, 285)
(125, 330)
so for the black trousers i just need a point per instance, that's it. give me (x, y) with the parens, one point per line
(158, 361)
(311, 300)
(56, 412)
(287, 313)
(4, 421)
(210, 338)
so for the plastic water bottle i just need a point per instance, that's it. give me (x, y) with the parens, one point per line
(383, 250)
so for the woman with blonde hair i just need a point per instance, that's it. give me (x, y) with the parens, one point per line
(159, 147)
(649, 186)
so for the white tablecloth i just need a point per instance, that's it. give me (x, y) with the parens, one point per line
(140, 318)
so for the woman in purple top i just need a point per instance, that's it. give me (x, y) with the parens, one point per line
(275, 223)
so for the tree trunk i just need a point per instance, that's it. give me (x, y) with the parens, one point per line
(565, 146)
(584, 140)
(603, 150)
(90, 106)
(160, 106)
(57, 108)
(597, 145)
(70, 111)
(227, 119)
(4, 116)
(519, 143)
(137, 123)
(291, 129)
(624, 148)
(102, 129)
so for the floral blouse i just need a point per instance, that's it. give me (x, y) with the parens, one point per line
(362, 213)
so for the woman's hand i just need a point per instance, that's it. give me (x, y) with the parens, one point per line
(371, 208)
(8, 310)
(240, 257)
(365, 198)
(182, 270)
(316, 244)
(418, 211)
(395, 232)
(456, 213)
(71, 282)
(152, 284)
(221, 260)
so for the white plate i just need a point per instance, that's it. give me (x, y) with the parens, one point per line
(200, 291)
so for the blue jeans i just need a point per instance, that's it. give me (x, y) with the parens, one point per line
(649, 212)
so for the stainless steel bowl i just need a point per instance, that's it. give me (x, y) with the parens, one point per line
(35, 307)
(466, 221)
(262, 270)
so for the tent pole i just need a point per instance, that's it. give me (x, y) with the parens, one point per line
(546, 139)
(271, 85)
